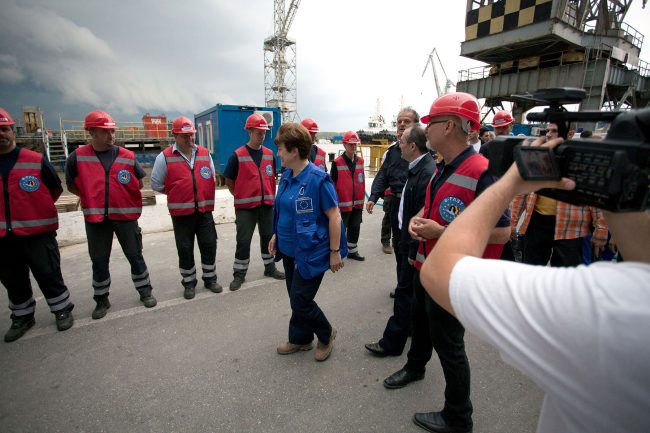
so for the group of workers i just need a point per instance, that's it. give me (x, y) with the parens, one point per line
(313, 223)
(108, 180)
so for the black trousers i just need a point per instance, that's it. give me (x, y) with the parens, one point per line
(385, 221)
(397, 329)
(186, 228)
(307, 318)
(447, 339)
(245, 222)
(352, 222)
(100, 243)
(40, 255)
(540, 246)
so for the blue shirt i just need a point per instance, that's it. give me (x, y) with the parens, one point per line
(286, 202)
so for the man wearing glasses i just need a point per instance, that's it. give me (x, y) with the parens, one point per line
(457, 180)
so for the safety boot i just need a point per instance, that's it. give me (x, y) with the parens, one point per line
(189, 292)
(64, 320)
(274, 273)
(103, 304)
(236, 283)
(213, 286)
(19, 325)
(148, 300)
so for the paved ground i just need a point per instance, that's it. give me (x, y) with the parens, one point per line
(209, 364)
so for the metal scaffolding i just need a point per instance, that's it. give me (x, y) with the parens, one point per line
(280, 79)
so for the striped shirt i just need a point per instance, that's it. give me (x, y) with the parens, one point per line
(571, 222)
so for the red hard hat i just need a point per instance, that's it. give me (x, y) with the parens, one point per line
(99, 119)
(457, 104)
(351, 137)
(256, 121)
(502, 118)
(183, 125)
(5, 118)
(310, 124)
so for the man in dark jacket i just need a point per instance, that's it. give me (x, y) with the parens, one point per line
(420, 169)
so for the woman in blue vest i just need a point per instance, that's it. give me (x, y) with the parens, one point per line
(307, 237)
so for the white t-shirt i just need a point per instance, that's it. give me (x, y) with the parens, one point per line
(582, 334)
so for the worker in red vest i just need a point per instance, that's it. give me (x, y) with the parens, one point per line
(29, 186)
(250, 177)
(316, 154)
(108, 180)
(348, 176)
(185, 172)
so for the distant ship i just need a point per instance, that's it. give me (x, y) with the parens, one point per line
(377, 130)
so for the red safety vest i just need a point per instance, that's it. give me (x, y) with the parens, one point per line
(254, 185)
(458, 191)
(122, 201)
(189, 189)
(350, 189)
(31, 207)
(319, 160)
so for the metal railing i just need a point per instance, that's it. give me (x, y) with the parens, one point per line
(124, 131)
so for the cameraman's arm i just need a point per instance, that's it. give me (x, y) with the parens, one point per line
(632, 233)
(469, 233)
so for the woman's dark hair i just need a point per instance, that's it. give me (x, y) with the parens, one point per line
(294, 136)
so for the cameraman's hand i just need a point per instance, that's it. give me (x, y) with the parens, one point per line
(521, 186)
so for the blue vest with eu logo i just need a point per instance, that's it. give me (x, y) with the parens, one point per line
(312, 253)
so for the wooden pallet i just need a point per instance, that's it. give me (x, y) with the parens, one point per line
(67, 203)
(148, 198)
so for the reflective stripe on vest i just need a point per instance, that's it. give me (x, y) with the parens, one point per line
(124, 197)
(350, 187)
(460, 187)
(254, 185)
(189, 189)
(30, 207)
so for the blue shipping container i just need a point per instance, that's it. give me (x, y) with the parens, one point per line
(221, 130)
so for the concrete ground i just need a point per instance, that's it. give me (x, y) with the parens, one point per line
(209, 364)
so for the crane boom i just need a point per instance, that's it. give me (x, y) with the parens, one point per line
(288, 20)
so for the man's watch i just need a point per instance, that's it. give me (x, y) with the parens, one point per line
(335, 250)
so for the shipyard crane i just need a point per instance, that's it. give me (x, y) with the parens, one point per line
(430, 61)
(280, 81)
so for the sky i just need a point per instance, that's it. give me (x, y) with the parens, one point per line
(180, 58)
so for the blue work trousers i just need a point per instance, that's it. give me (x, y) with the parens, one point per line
(307, 318)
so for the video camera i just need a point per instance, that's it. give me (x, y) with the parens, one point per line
(611, 174)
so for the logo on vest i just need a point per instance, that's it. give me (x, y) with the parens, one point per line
(360, 178)
(268, 170)
(29, 183)
(304, 205)
(450, 207)
(205, 172)
(124, 177)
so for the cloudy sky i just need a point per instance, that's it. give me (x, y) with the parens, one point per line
(138, 56)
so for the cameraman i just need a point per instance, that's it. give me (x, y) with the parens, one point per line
(577, 332)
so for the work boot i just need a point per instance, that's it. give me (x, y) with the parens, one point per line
(64, 320)
(387, 249)
(189, 292)
(103, 304)
(213, 286)
(236, 283)
(287, 348)
(149, 301)
(274, 273)
(356, 256)
(19, 325)
(323, 351)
